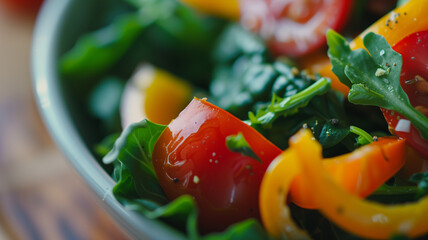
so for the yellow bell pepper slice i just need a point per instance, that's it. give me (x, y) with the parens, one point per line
(360, 217)
(154, 94)
(166, 97)
(273, 197)
(409, 18)
(223, 8)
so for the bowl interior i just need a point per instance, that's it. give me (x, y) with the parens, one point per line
(62, 105)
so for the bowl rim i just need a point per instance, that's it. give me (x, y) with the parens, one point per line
(52, 107)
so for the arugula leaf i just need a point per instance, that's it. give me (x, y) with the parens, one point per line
(363, 136)
(134, 149)
(373, 76)
(290, 105)
(238, 143)
(324, 115)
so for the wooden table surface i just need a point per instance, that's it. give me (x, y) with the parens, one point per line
(41, 195)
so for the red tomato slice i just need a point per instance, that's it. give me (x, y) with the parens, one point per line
(191, 157)
(414, 50)
(23, 6)
(294, 27)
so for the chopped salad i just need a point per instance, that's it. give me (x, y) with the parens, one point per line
(262, 119)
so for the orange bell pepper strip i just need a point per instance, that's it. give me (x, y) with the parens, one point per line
(358, 216)
(394, 26)
(360, 172)
(223, 8)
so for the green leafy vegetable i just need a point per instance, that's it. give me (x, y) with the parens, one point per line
(373, 76)
(422, 180)
(290, 105)
(170, 29)
(363, 136)
(283, 98)
(134, 149)
(238, 143)
(105, 146)
(248, 229)
(138, 188)
(95, 52)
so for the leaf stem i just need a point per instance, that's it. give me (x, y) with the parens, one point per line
(361, 133)
(290, 104)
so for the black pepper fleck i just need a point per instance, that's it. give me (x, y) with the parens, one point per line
(340, 210)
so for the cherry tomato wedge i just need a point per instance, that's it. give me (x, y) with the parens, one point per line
(23, 6)
(191, 157)
(294, 27)
(414, 81)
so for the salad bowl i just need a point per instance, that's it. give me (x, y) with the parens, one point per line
(58, 25)
(194, 119)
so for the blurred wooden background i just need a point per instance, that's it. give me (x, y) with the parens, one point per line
(41, 195)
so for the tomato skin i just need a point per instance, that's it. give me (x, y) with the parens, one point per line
(414, 50)
(23, 6)
(297, 27)
(191, 157)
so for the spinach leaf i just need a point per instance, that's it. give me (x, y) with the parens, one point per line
(373, 76)
(238, 143)
(95, 52)
(242, 75)
(421, 179)
(248, 229)
(134, 149)
(165, 33)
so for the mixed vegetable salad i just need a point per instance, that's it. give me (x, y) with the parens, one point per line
(260, 119)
